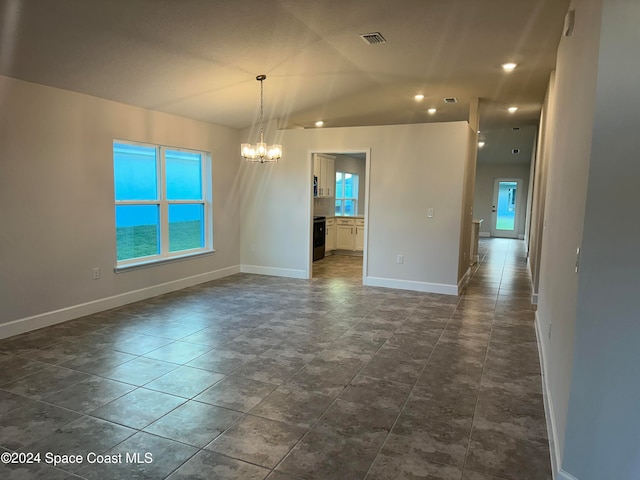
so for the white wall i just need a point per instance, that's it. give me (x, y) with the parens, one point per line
(56, 202)
(568, 154)
(413, 167)
(351, 164)
(486, 174)
(603, 427)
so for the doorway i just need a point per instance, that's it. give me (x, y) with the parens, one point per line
(506, 198)
(339, 181)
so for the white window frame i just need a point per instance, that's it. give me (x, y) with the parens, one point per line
(164, 203)
(343, 198)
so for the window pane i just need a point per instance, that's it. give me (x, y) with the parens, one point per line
(339, 185)
(338, 207)
(186, 227)
(137, 231)
(134, 168)
(184, 175)
(349, 207)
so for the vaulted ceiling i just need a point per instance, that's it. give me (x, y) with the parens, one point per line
(199, 58)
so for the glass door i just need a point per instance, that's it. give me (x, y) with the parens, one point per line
(505, 208)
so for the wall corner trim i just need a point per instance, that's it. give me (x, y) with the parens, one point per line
(554, 448)
(464, 280)
(27, 324)
(426, 287)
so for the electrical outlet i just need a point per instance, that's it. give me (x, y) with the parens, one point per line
(430, 213)
(96, 273)
(400, 259)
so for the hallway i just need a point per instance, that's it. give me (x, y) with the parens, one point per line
(253, 377)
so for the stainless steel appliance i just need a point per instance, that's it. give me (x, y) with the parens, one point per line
(319, 236)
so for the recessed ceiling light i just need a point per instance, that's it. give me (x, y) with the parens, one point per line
(509, 67)
(480, 144)
(513, 109)
(432, 111)
(419, 97)
(319, 123)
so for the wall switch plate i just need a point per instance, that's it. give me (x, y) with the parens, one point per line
(430, 212)
(96, 273)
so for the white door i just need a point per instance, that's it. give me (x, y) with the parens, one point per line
(504, 217)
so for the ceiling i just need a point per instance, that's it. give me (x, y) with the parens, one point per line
(199, 58)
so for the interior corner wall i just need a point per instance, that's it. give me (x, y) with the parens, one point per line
(57, 203)
(412, 168)
(603, 426)
(541, 169)
(467, 213)
(569, 151)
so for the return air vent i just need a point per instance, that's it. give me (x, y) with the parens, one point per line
(515, 151)
(374, 38)
(450, 100)
(515, 129)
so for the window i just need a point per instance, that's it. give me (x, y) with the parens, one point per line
(162, 203)
(346, 194)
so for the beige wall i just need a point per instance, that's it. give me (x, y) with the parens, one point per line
(568, 153)
(412, 168)
(56, 202)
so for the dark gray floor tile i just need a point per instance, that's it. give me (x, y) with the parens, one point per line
(257, 440)
(178, 352)
(321, 379)
(407, 465)
(34, 471)
(185, 381)
(31, 422)
(194, 423)
(158, 457)
(236, 393)
(209, 465)
(44, 382)
(376, 392)
(9, 401)
(12, 367)
(273, 370)
(88, 394)
(140, 371)
(138, 408)
(294, 407)
(495, 453)
(139, 344)
(471, 475)
(99, 361)
(80, 437)
(221, 360)
(319, 456)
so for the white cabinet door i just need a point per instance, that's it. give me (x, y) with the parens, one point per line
(330, 242)
(344, 237)
(324, 169)
(359, 237)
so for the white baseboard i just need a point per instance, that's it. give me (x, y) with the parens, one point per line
(47, 319)
(554, 448)
(411, 285)
(484, 234)
(273, 271)
(562, 475)
(464, 280)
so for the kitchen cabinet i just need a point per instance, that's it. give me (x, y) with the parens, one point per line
(324, 169)
(330, 243)
(349, 234)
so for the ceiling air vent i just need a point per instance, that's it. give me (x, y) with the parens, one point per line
(450, 100)
(374, 38)
(515, 151)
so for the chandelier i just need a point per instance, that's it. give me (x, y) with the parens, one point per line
(260, 152)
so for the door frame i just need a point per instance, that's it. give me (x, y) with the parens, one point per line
(367, 175)
(505, 233)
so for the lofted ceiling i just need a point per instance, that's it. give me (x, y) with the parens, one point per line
(199, 58)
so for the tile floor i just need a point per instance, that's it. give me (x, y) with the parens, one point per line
(253, 377)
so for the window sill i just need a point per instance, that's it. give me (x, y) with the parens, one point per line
(161, 261)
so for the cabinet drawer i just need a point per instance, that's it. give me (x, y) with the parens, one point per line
(330, 222)
(359, 222)
(344, 221)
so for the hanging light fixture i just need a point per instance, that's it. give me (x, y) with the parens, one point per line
(260, 152)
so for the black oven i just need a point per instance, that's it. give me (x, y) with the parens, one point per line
(319, 235)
